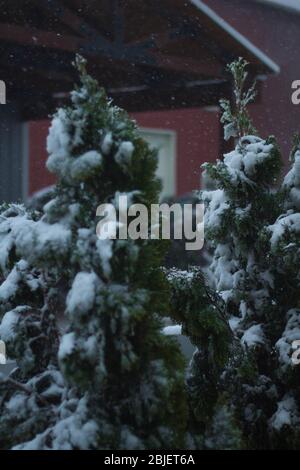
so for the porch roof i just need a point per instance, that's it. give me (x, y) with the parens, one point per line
(159, 54)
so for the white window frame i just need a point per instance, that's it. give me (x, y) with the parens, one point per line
(173, 155)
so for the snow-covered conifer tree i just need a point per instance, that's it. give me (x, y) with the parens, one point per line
(284, 240)
(203, 317)
(116, 381)
(237, 214)
(28, 397)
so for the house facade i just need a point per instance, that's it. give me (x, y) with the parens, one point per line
(273, 26)
(169, 76)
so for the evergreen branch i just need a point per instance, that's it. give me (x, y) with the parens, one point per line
(19, 386)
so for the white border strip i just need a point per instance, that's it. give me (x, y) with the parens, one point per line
(25, 160)
(290, 5)
(172, 133)
(236, 35)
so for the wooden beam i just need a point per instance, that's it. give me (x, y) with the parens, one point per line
(162, 39)
(45, 39)
(138, 99)
(73, 21)
(35, 37)
(118, 22)
(187, 65)
(67, 16)
(170, 98)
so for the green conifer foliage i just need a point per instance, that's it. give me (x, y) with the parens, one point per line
(204, 320)
(28, 396)
(284, 245)
(120, 379)
(238, 212)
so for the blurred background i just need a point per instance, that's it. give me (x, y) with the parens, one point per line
(164, 61)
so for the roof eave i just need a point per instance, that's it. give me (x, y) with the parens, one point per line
(236, 35)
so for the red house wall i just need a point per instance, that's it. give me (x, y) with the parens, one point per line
(198, 140)
(39, 176)
(277, 33)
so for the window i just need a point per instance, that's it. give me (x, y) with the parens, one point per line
(165, 142)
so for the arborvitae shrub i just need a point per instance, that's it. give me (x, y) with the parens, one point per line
(253, 226)
(109, 378)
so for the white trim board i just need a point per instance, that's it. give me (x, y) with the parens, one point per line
(167, 172)
(25, 160)
(236, 35)
(291, 5)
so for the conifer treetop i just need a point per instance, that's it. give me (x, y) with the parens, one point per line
(235, 117)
